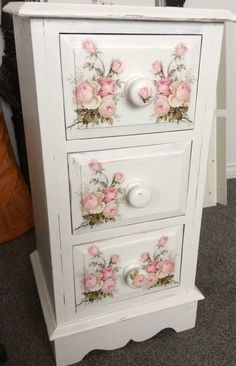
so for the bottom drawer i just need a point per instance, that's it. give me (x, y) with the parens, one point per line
(125, 267)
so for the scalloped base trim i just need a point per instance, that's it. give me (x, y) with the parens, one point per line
(72, 341)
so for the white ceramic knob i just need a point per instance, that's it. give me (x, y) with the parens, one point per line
(135, 276)
(139, 91)
(138, 195)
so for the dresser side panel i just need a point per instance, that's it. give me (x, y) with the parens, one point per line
(35, 153)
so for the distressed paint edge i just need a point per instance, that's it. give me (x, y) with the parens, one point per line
(90, 11)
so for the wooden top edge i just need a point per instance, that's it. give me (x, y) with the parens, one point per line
(80, 11)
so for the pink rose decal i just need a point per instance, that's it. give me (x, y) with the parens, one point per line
(107, 86)
(91, 283)
(108, 286)
(151, 267)
(107, 107)
(92, 202)
(162, 241)
(168, 266)
(95, 166)
(152, 280)
(180, 93)
(93, 250)
(119, 178)
(139, 281)
(111, 210)
(180, 49)
(162, 107)
(115, 258)
(89, 46)
(101, 204)
(145, 94)
(163, 86)
(101, 280)
(110, 194)
(107, 273)
(117, 66)
(144, 256)
(86, 93)
(158, 268)
(101, 80)
(173, 87)
(156, 67)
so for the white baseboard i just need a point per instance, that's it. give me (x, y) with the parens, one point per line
(231, 170)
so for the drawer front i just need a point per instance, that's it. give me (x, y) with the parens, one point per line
(118, 187)
(121, 84)
(126, 267)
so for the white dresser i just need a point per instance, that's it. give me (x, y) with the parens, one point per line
(118, 104)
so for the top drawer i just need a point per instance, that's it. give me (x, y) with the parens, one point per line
(128, 84)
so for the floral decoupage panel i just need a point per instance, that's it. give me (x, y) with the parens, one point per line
(99, 267)
(99, 67)
(98, 182)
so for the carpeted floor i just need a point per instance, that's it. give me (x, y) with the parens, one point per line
(211, 343)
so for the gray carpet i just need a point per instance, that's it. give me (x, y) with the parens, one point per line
(211, 343)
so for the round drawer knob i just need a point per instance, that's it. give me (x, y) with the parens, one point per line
(138, 195)
(135, 276)
(139, 91)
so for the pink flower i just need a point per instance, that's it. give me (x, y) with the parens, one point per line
(152, 280)
(107, 107)
(168, 267)
(110, 194)
(118, 177)
(145, 93)
(107, 273)
(151, 267)
(156, 67)
(92, 202)
(107, 86)
(163, 240)
(180, 93)
(163, 86)
(109, 286)
(162, 107)
(89, 46)
(95, 166)
(180, 49)
(91, 283)
(93, 250)
(139, 281)
(117, 66)
(115, 258)
(144, 256)
(86, 93)
(110, 210)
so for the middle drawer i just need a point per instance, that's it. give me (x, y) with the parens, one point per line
(125, 186)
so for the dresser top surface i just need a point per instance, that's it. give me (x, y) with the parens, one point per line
(80, 11)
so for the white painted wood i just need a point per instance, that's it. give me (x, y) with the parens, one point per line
(137, 55)
(180, 317)
(45, 297)
(162, 158)
(165, 245)
(210, 196)
(144, 165)
(81, 11)
(221, 161)
(40, 158)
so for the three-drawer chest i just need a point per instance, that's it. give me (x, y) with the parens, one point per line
(118, 104)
